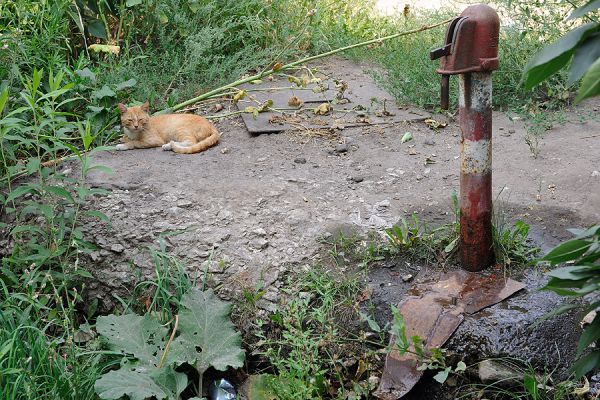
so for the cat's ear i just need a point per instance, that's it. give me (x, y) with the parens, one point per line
(122, 108)
(145, 107)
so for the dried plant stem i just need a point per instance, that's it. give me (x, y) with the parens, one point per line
(49, 163)
(164, 355)
(296, 63)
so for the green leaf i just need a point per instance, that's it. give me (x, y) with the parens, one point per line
(586, 364)
(86, 73)
(406, 137)
(572, 273)
(20, 191)
(133, 384)
(587, 233)
(585, 55)
(371, 322)
(95, 109)
(576, 293)
(558, 311)
(33, 164)
(173, 383)
(261, 387)
(581, 11)
(451, 246)
(3, 99)
(207, 336)
(194, 6)
(125, 85)
(60, 192)
(417, 345)
(442, 375)
(460, 367)
(162, 17)
(399, 331)
(131, 3)
(567, 251)
(96, 28)
(104, 48)
(530, 384)
(97, 214)
(102, 93)
(590, 84)
(590, 335)
(141, 337)
(555, 56)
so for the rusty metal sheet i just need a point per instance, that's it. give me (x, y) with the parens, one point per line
(357, 109)
(433, 311)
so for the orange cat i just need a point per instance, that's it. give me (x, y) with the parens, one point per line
(181, 133)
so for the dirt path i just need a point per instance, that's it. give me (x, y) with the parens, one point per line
(262, 202)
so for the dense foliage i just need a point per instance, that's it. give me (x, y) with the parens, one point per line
(64, 65)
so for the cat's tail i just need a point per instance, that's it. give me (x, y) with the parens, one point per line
(202, 145)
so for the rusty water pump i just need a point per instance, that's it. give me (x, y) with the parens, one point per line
(471, 52)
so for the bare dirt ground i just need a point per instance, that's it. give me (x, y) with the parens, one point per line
(257, 206)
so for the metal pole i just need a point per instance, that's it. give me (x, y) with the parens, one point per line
(475, 116)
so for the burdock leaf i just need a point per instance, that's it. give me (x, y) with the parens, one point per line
(207, 336)
(133, 384)
(140, 337)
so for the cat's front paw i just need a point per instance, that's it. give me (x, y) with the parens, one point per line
(167, 146)
(122, 146)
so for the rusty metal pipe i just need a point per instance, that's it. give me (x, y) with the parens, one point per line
(475, 116)
(445, 95)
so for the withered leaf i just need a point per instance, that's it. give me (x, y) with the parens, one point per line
(322, 109)
(294, 101)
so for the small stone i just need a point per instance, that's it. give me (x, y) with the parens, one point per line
(373, 381)
(511, 131)
(349, 362)
(174, 210)
(224, 150)
(595, 173)
(407, 278)
(300, 160)
(429, 142)
(224, 214)
(492, 371)
(95, 256)
(259, 243)
(184, 203)
(260, 232)
(341, 148)
(377, 221)
(357, 179)
(382, 204)
(117, 248)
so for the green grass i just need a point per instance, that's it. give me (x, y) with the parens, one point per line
(37, 364)
(527, 384)
(314, 340)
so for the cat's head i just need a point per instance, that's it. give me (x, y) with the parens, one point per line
(134, 119)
